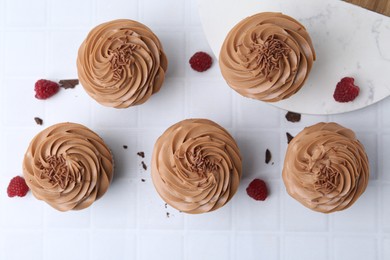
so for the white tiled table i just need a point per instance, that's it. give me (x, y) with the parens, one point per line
(40, 39)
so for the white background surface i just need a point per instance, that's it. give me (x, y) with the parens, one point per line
(40, 39)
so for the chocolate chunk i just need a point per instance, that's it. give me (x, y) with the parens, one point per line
(144, 165)
(68, 83)
(38, 120)
(125, 147)
(268, 156)
(289, 137)
(293, 117)
(141, 154)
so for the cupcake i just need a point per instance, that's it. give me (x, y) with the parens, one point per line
(68, 166)
(267, 56)
(326, 168)
(196, 166)
(121, 63)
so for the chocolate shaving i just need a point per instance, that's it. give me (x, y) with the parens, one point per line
(289, 137)
(68, 83)
(141, 154)
(38, 120)
(293, 117)
(125, 147)
(144, 165)
(268, 156)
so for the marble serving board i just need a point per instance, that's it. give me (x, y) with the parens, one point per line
(349, 41)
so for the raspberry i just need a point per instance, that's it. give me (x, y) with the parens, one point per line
(201, 61)
(17, 187)
(257, 190)
(45, 88)
(346, 90)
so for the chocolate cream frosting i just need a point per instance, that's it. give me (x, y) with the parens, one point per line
(196, 166)
(326, 168)
(68, 166)
(267, 56)
(121, 63)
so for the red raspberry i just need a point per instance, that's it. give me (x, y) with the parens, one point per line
(257, 190)
(45, 88)
(17, 187)
(346, 90)
(201, 61)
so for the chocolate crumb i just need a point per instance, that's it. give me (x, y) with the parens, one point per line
(289, 137)
(268, 156)
(166, 205)
(68, 83)
(144, 165)
(293, 117)
(143, 180)
(141, 154)
(168, 214)
(125, 147)
(38, 120)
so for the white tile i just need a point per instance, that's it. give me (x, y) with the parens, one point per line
(196, 41)
(16, 114)
(64, 244)
(361, 216)
(253, 113)
(68, 219)
(194, 13)
(18, 13)
(174, 46)
(153, 213)
(354, 119)
(253, 146)
(167, 245)
(164, 107)
(220, 219)
(116, 9)
(173, 11)
(385, 105)
(352, 248)
(257, 215)
(126, 161)
(109, 244)
(108, 117)
(386, 248)
(71, 13)
(386, 207)
(59, 109)
(118, 207)
(17, 50)
(385, 154)
(202, 101)
(63, 48)
(251, 246)
(297, 217)
(306, 247)
(218, 249)
(369, 141)
(23, 244)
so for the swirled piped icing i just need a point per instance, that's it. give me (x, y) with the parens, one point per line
(196, 166)
(267, 56)
(326, 167)
(68, 166)
(121, 63)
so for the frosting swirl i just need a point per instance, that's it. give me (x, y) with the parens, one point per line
(68, 166)
(121, 63)
(196, 166)
(267, 56)
(326, 168)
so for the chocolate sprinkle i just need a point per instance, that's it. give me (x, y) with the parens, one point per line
(68, 83)
(38, 120)
(125, 147)
(289, 137)
(268, 156)
(293, 117)
(144, 165)
(141, 154)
